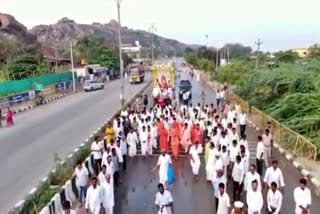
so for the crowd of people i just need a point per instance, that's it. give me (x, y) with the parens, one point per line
(217, 131)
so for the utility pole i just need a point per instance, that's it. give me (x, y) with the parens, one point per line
(72, 67)
(152, 30)
(228, 55)
(118, 2)
(206, 40)
(258, 43)
(217, 58)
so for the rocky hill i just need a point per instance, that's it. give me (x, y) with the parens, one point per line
(11, 29)
(57, 36)
(63, 31)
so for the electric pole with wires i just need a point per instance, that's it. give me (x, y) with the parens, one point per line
(258, 43)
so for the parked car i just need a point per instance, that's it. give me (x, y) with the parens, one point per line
(184, 86)
(90, 85)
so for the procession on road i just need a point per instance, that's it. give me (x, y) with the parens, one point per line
(212, 136)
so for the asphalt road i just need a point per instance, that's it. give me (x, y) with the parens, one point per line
(137, 193)
(28, 149)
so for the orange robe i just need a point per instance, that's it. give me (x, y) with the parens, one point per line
(163, 139)
(175, 140)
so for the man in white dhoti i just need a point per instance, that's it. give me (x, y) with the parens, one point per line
(154, 135)
(211, 162)
(94, 197)
(143, 135)
(102, 175)
(164, 200)
(108, 195)
(254, 199)
(163, 164)
(132, 140)
(194, 152)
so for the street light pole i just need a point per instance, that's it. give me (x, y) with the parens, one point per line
(72, 67)
(118, 2)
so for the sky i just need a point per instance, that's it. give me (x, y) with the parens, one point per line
(280, 24)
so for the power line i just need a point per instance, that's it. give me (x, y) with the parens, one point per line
(152, 29)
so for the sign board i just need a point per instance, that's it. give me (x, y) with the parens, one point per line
(60, 85)
(18, 98)
(39, 87)
(84, 62)
(32, 94)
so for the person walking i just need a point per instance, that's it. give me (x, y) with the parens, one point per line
(82, 175)
(96, 148)
(302, 198)
(274, 199)
(132, 140)
(175, 140)
(254, 199)
(274, 174)
(10, 117)
(243, 122)
(108, 195)
(237, 177)
(259, 155)
(267, 142)
(224, 200)
(163, 164)
(94, 197)
(195, 163)
(164, 200)
(110, 133)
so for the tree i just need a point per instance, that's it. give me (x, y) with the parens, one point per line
(314, 51)
(286, 56)
(236, 50)
(7, 49)
(22, 66)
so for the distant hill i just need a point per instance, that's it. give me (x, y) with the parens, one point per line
(58, 36)
(64, 30)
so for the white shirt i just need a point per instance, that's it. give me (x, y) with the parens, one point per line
(244, 143)
(267, 140)
(225, 159)
(163, 163)
(102, 178)
(81, 176)
(245, 163)
(224, 203)
(238, 172)
(301, 198)
(194, 152)
(248, 181)
(254, 201)
(274, 176)
(260, 149)
(234, 151)
(242, 119)
(164, 199)
(97, 146)
(143, 136)
(224, 141)
(108, 194)
(222, 94)
(123, 147)
(274, 200)
(94, 199)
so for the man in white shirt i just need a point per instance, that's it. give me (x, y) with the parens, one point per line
(274, 199)
(223, 201)
(302, 198)
(254, 199)
(242, 122)
(163, 164)
(237, 177)
(164, 200)
(132, 140)
(259, 155)
(108, 195)
(267, 142)
(81, 172)
(94, 197)
(195, 163)
(67, 208)
(143, 135)
(102, 175)
(122, 144)
(154, 135)
(274, 174)
(96, 148)
(251, 176)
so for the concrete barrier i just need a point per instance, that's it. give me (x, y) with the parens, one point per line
(69, 191)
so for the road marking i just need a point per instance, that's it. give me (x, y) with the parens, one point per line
(69, 156)
(33, 190)
(76, 150)
(45, 179)
(19, 203)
